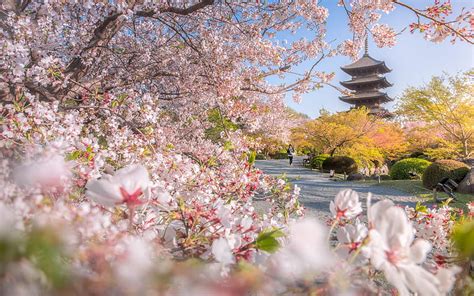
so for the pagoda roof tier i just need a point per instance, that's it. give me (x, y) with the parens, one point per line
(366, 95)
(366, 62)
(381, 112)
(378, 111)
(366, 80)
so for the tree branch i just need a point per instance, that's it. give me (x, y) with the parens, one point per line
(177, 10)
(444, 24)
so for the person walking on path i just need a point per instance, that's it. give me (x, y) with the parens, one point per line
(291, 152)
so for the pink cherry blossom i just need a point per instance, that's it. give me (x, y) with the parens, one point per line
(185, 90)
(126, 186)
(435, 225)
(383, 35)
(135, 265)
(470, 207)
(346, 205)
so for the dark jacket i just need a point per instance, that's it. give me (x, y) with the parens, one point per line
(290, 151)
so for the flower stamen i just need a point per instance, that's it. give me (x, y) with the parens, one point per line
(131, 199)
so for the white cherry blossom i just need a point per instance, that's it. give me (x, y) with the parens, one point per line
(394, 250)
(222, 251)
(350, 238)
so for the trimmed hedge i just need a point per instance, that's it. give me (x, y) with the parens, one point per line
(317, 161)
(446, 168)
(403, 169)
(340, 164)
(279, 155)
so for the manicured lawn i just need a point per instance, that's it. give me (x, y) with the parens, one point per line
(416, 188)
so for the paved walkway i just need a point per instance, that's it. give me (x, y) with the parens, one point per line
(317, 190)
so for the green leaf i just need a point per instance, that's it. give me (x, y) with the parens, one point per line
(421, 208)
(267, 240)
(74, 155)
(228, 146)
(446, 202)
(463, 238)
(44, 248)
(252, 155)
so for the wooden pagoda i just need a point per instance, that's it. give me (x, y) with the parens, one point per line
(366, 83)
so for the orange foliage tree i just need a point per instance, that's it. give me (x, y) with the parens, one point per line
(355, 133)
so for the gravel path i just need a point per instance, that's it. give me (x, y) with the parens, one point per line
(317, 190)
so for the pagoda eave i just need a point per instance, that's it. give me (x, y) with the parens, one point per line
(375, 97)
(381, 112)
(355, 83)
(366, 63)
(382, 69)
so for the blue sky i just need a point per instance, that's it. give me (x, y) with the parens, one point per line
(413, 60)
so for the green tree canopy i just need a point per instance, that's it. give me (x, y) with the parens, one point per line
(446, 105)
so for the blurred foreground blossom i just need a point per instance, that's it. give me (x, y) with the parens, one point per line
(447, 278)
(7, 221)
(126, 186)
(136, 263)
(346, 204)
(51, 172)
(306, 251)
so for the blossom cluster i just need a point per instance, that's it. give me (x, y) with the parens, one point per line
(128, 234)
(436, 22)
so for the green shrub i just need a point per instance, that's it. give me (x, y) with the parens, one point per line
(406, 168)
(279, 155)
(446, 168)
(317, 161)
(340, 164)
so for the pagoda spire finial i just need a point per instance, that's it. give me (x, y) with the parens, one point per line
(366, 48)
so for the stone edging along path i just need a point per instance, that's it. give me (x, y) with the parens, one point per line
(317, 190)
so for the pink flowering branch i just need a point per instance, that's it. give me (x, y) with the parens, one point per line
(466, 37)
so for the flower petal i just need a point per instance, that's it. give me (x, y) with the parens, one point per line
(396, 279)
(419, 250)
(103, 191)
